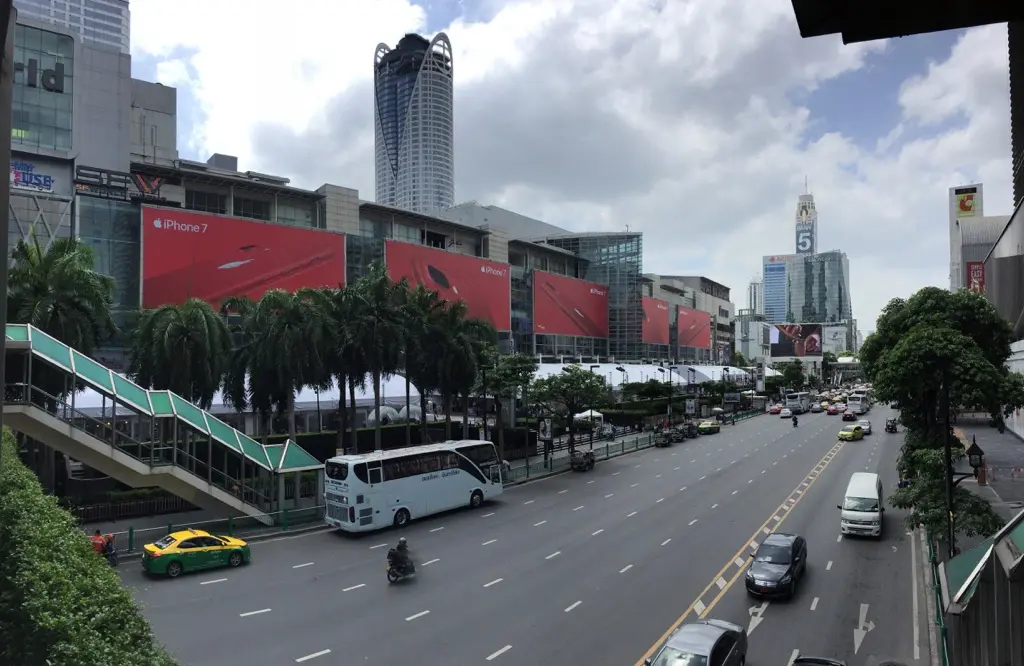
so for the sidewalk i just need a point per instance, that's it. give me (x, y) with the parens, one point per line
(1004, 462)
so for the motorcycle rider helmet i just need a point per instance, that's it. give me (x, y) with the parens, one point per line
(402, 541)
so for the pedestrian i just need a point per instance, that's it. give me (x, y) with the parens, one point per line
(99, 544)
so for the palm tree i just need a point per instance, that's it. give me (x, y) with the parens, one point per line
(379, 334)
(182, 348)
(459, 347)
(421, 310)
(58, 291)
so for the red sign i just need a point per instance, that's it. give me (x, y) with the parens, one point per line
(694, 327)
(655, 328)
(567, 306)
(976, 276)
(186, 254)
(484, 285)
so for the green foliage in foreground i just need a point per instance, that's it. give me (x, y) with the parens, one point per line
(60, 603)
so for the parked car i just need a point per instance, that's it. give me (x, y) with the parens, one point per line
(193, 550)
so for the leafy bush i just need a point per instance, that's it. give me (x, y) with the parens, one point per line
(60, 603)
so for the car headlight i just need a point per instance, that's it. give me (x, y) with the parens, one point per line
(786, 580)
(750, 574)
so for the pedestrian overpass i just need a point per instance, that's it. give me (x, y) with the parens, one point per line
(147, 438)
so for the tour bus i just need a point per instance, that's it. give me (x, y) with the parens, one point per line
(798, 403)
(384, 488)
(858, 402)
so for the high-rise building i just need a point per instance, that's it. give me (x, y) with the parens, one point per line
(97, 22)
(414, 124)
(806, 225)
(818, 288)
(971, 237)
(755, 297)
(774, 284)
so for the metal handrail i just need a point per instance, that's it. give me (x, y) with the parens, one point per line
(940, 618)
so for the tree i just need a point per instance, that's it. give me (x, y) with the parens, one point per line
(793, 378)
(567, 393)
(739, 360)
(422, 310)
(508, 378)
(181, 348)
(457, 351)
(828, 359)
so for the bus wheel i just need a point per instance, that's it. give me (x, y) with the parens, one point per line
(476, 499)
(402, 518)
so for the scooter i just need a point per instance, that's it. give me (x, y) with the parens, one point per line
(794, 423)
(397, 572)
(112, 558)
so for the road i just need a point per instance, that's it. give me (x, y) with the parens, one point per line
(577, 568)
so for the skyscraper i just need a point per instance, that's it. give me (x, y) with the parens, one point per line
(806, 225)
(97, 22)
(818, 289)
(755, 297)
(414, 124)
(774, 287)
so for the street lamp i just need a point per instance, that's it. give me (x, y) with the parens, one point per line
(591, 415)
(976, 459)
(672, 388)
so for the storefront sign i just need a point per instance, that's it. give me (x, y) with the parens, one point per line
(118, 185)
(47, 79)
(24, 177)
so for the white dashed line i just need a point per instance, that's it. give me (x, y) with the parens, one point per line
(814, 603)
(250, 613)
(828, 567)
(631, 515)
(596, 533)
(417, 616)
(714, 506)
(300, 566)
(637, 467)
(573, 607)
(493, 582)
(634, 485)
(591, 481)
(529, 502)
(792, 657)
(487, 515)
(718, 470)
(692, 522)
(495, 655)
(721, 583)
(734, 492)
(312, 656)
(676, 469)
(615, 473)
(660, 501)
(657, 476)
(211, 582)
(562, 492)
(540, 523)
(694, 460)
(436, 559)
(702, 478)
(609, 495)
(579, 507)
(354, 587)
(553, 555)
(763, 471)
(625, 568)
(488, 543)
(666, 541)
(379, 545)
(839, 538)
(751, 481)
(437, 529)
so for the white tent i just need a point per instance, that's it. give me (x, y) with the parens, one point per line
(589, 415)
(617, 374)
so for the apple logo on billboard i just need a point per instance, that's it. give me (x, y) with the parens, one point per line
(158, 223)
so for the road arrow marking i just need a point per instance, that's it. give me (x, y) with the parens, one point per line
(862, 629)
(756, 616)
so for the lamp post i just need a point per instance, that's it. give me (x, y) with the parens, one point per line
(591, 415)
(674, 370)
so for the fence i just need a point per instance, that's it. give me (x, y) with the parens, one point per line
(559, 464)
(940, 616)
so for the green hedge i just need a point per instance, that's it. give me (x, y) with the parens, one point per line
(60, 603)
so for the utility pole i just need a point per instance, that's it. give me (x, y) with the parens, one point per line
(947, 459)
(8, 19)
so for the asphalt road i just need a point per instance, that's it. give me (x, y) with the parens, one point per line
(578, 568)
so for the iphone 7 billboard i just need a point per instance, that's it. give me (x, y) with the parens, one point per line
(566, 306)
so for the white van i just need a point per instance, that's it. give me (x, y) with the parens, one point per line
(862, 506)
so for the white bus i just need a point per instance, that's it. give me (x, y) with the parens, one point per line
(798, 403)
(858, 402)
(384, 488)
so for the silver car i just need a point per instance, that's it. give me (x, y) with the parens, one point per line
(865, 426)
(703, 643)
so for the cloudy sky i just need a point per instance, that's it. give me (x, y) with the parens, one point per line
(693, 121)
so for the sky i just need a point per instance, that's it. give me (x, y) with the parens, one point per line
(693, 121)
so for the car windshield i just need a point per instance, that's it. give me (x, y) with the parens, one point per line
(164, 543)
(865, 504)
(772, 555)
(865, 424)
(849, 428)
(670, 656)
(337, 471)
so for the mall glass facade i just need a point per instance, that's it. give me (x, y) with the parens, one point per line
(113, 230)
(43, 89)
(818, 289)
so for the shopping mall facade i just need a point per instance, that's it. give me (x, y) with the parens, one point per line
(94, 155)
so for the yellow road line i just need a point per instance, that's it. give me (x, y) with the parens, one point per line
(740, 560)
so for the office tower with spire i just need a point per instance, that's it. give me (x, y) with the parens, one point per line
(414, 124)
(806, 224)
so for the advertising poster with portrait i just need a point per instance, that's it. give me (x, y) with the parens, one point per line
(976, 276)
(795, 340)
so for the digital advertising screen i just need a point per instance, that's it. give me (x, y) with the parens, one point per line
(566, 306)
(655, 327)
(795, 340)
(833, 339)
(186, 254)
(485, 286)
(694, 328)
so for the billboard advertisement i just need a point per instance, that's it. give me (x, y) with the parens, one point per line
(833, 339)
(694, 327)
(976, 276)
(566, 306)
(485, 286)
(795, 340)
(186, 254)
(655, 327)
(965, 200)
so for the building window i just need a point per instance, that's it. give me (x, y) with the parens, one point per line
(111, 228)
(43, 88)
(252, 208)
(295, 213)
(207, 202)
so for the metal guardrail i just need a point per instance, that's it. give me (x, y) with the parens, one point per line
(940, 619)
(559, 464)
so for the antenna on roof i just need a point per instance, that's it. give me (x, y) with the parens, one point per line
(806, 190)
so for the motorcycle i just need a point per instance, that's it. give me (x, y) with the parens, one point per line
(794, 423)
(112, 558)
(396, 571)
(582, 461)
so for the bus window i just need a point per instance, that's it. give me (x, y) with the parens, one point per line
(337, 471)
(481, 454)
(375, 475)
(360, 472)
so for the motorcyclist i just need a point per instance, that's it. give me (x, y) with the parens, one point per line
(109, 551)
(399, 556)
(795, 420)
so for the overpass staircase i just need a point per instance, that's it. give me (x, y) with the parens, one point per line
(144, 438)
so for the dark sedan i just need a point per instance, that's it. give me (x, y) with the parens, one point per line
(849, 415)
(816, 661)
(703, 643)
(777, 567)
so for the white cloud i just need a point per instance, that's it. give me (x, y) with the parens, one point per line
(675, 118)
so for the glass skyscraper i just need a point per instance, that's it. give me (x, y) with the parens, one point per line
(774, 281)
(414, 124)
(818, 288)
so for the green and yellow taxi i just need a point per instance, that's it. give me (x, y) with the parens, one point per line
(851, 433)
(193, 550)
(709, 427)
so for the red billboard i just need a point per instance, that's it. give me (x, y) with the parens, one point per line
(567, 306)
(186, 254)
(655, 328)
(484, 285)
(976, 276)
(694, 327)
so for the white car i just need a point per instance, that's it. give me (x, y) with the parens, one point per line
(865, 426)
(786, 413)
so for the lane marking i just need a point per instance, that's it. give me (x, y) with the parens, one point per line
(495, 655)
(312, 656)
(436, 559)
(631, 515)
(553, 555)
(676, 469)
(609, 495)
(573, 606)
(494, 582)
(828, 567)
(488, 543)
(693, 521)
(596, 533)
(562, 492)
(529, 502)
(591, 481)
(792, 657)
(578, 508)
(682, 489)
(702, 609)
(718, 470)
(739, 561)
(417, 615)
(355, 587)
(702, 478)
(299, 566)
(814, 603)
(487, 515)
(615, 473)
(666, 541)
(657, 476)
(437, 529)
(917, 616)
(251, 613)
(379, 545)
(660, 501)
(540, 523)
(211, 582)
(634, 485)
(721, 583)
(625, 568)
(734, 492)
(714, 506)
(839, 538)
(751, 481)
